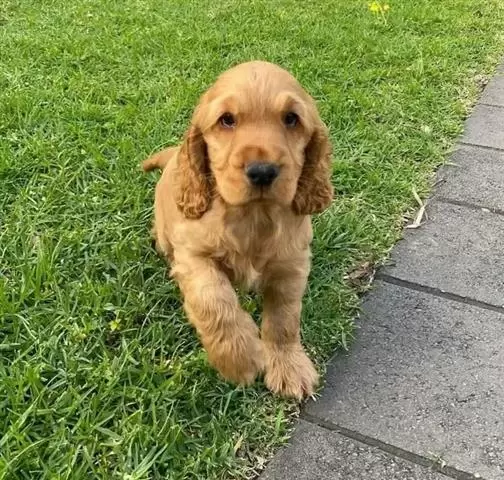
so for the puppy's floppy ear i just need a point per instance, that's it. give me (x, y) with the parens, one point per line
(314, 191)
(192, 176)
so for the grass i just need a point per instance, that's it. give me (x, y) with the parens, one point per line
(100, 375)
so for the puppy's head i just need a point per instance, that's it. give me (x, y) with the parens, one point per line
(256, 136)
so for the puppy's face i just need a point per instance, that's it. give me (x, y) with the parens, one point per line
(255, 136)
(256, 122)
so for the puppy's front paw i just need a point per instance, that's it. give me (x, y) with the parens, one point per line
(289, 371)
(238, 358)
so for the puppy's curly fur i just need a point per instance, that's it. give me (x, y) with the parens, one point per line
(218, 229)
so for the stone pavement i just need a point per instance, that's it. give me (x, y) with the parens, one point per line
(420, 395)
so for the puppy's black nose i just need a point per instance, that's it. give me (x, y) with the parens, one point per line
(262, 174)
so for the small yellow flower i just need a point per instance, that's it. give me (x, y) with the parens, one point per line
(377, 7)
(374, 7)
(115, 325)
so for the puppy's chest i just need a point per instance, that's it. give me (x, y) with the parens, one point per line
(244, 271)
(246, 253)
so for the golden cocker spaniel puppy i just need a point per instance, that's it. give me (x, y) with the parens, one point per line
(233, 207)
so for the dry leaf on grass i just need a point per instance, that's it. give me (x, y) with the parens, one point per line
(420, 214)
(362, 275)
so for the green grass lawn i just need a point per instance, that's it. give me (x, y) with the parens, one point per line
(100, 374)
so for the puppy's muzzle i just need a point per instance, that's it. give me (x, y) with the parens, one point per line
(261, 174)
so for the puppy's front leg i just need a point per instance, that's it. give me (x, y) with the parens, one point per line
(228, 333)
(289, 371)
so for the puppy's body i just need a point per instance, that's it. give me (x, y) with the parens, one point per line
(243, 240)
(217, 227)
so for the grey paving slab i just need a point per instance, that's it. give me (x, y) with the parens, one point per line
(459, 250)
(477, 177)
(425, 374)
(319, 454)
(494, 91)
(485, 127)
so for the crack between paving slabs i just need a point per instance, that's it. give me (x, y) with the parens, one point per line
(411, 457)
(438, 293)
(490, 105)
(472, 206)
(477, 145)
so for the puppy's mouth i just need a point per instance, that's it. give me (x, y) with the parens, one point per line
(267, 196)
(263, 193)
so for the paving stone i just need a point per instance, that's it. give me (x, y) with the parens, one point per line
(477, 177)
(425, 374)
(319, 454)
(459, 250)
(494, 91)
(485, 127)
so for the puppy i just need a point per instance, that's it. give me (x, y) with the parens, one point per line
(233, 207)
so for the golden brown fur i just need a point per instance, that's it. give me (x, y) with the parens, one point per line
(218, 229)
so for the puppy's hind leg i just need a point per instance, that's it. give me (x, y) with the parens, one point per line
(162, 246)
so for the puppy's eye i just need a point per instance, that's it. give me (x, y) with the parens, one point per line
(291, 119)
(227, 120)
